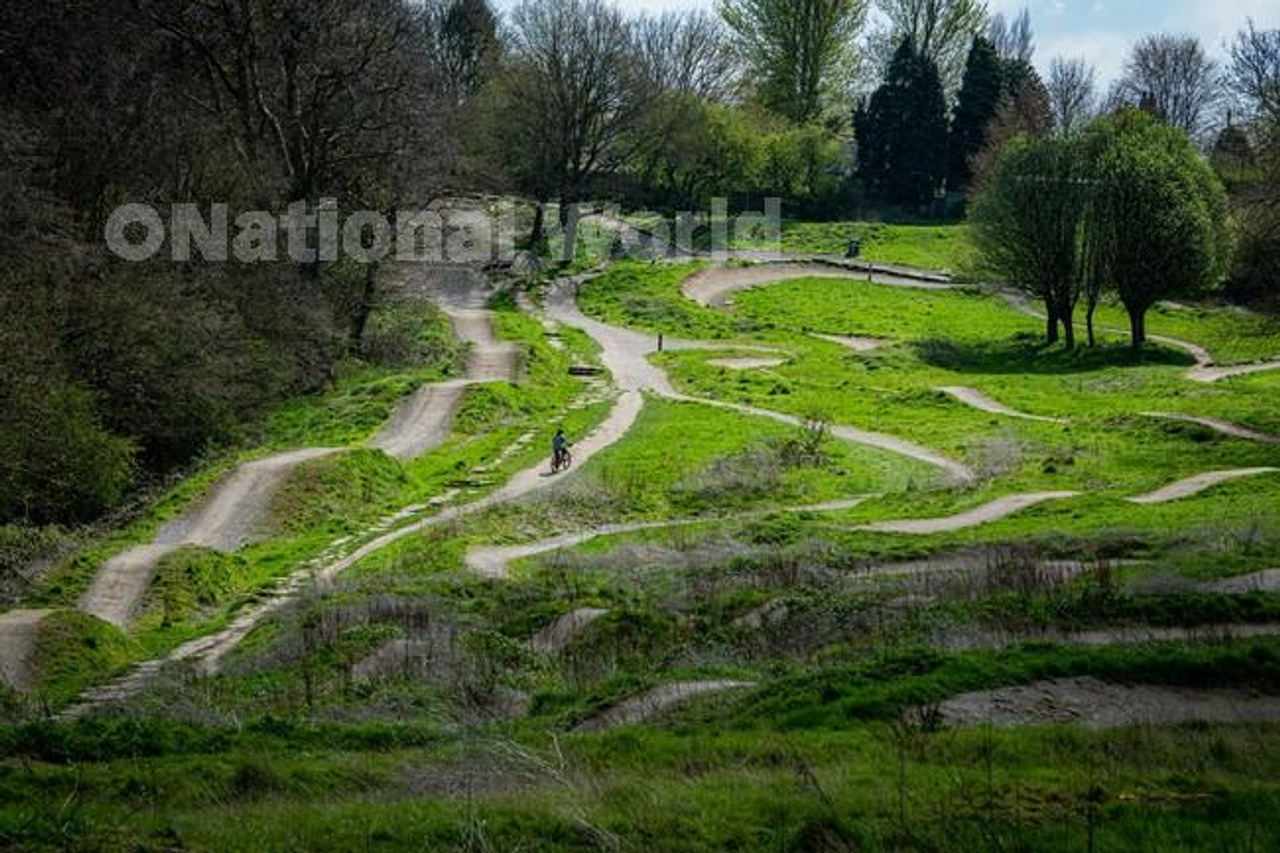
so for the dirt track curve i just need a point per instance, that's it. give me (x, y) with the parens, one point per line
(637, 709)
(1197, 484)
(975, 399)
(19, 631)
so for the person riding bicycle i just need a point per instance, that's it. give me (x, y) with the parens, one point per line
(559, 449)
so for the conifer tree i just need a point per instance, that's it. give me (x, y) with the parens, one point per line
(902, 134)
(976, 108)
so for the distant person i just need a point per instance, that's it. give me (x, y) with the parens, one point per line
(559, 451)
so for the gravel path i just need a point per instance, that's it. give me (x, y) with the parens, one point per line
(974, 398)
(19, 630)
(639, 708)
(988, 512)
(1197, 484)
(236, 510)
(1100, 704)
(1218, 425)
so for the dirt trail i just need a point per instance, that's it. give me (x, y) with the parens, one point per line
(974, 398)
(1100, 704)
(1119, 636)
(208, 651)
(1218, 425)
(236, 509)
(623, 352)
(423, 421)
(626, 353)
(561, 632)
(1267, 580)
(713, 287)
(746, 363)
(493, 561)
(235, 512)
(857, 343)
(1195, 485)
(639, 708)
(988, 512)
(19, 630)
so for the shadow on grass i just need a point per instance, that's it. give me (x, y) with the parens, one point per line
(1027, 353)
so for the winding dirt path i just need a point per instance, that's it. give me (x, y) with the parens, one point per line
(713, 286)
(1195, 485)
(493, 561)
(1099, 704)
(625, 353)
(1218, 425)
(19, 631)
(423, 421)
(975, 399)
(994, 511)
(637, 709)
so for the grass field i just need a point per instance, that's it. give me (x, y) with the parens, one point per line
(402, 707)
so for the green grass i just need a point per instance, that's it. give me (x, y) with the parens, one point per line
(74, 651)
(817, 756)
(1232, 335)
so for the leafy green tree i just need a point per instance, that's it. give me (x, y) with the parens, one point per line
(902, 132)
(1166, 213)
(976, 107)
(1026, 225)
(800, 52)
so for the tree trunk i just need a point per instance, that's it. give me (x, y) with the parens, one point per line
(1089, 312)
(1138, 326)
(1051, 323)
(539, 226)
(569, 227)
(364, 306)
(1067, 313)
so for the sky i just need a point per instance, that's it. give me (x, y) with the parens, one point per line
(1101, 31)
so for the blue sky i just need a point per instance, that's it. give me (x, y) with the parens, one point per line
(1101, 31)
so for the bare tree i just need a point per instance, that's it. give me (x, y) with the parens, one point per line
(569, 98)
(313, 88)
(1012, 39)
(1254, 73)
(462, 37)
(941, 30)
(1071, 94)
(686, 53)
(1173, 77)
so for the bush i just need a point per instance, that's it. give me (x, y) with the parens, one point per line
(410, 336)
